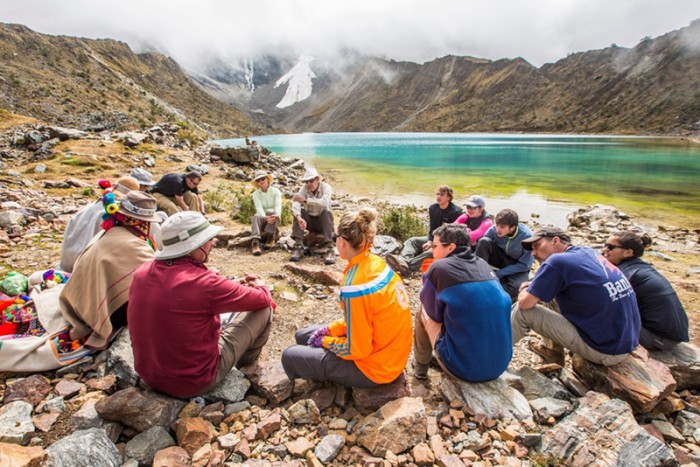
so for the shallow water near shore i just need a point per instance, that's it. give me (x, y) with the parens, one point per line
(655, 180)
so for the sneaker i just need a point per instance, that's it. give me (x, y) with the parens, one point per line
(330, 257)
(298, 253)
(255, 247)
(550, 355)
(399, 265)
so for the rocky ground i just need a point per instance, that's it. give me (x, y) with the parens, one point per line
(46, 175)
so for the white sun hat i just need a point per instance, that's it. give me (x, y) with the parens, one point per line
(184, 232)
(310, 174)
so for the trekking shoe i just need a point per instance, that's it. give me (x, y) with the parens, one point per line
(255, 247)
(298, 253)
(420, 372)
(550, 355)
(270, 242)
(399, 265)
(329, 258)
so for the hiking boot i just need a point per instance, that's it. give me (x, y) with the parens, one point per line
(298, 253)
(255, 247)
(399, 265)
(549, 354)
(329, 258)
(420, 372)
(270, 242)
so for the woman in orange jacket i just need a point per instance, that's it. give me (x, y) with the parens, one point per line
(370, 344)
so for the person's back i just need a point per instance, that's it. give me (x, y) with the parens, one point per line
(594, 295)
(370, 287)
(476, 343)
(660, 308)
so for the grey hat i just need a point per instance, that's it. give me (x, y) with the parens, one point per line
(545, 232)
(475, 201)
(142, 176)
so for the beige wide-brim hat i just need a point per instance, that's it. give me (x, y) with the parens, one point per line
(139, 205)
(184, 232)
(261, 174)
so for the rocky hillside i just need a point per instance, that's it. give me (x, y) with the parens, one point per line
(103, 84)
(649, 89)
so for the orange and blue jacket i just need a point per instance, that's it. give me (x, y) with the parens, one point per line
(377, 330)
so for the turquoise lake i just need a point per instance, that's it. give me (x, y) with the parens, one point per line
(655, 180)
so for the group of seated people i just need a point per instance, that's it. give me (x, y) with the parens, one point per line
(190, 326)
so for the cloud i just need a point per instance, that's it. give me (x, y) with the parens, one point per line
(540, 31)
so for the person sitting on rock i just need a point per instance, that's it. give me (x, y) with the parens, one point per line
(598, 316)
(418, 249)
(94, 300)
(476, 218)
(370, 345)
(176, 192)
(465, 313)
(501, 247)
(664, 321)
(144, 178)
(268, 211)
(312, 211)
(86, 224)
(180, 346)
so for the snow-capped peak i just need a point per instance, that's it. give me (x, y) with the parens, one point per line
(299, 82)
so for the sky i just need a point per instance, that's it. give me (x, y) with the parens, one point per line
(193, 32)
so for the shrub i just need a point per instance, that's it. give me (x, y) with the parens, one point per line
(183, 135)
(401, 222)
(217, 198)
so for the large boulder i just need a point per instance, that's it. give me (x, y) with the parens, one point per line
(603, 431)
(684, 362)
(495, 399)
(638, 379)
(139, 410)
(396, 427)
(238, 155)
(85, 447)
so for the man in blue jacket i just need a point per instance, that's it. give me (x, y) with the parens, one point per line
(598, 316)
(501, 247)
(465, 315)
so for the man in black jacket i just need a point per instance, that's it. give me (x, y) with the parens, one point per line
(417, 249)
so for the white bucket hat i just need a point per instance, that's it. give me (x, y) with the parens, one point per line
(310, 174)
(184, 232)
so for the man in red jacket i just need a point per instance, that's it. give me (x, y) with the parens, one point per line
(180, 347)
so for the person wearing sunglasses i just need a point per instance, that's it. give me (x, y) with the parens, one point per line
(664, 321)
(465, 313)
(312, 210)
(598, 316)
(369, 346)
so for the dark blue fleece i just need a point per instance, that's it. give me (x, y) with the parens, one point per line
(463, 293)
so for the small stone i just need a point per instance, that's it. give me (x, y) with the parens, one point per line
(299, 447)
(68, 389)
(329, 447)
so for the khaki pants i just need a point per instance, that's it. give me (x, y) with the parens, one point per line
(554, 326)
(241, 342)
(168, 204)
(259, 225)
(425, 335)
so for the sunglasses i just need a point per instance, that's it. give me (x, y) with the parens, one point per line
(337, 236)
(610, 246)
(445, 245)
